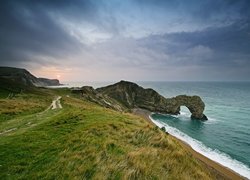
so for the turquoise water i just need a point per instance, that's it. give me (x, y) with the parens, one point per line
(225, 137)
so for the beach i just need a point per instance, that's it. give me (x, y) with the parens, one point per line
(220, 171)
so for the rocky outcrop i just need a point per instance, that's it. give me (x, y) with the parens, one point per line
(194, 103)
(90, 94)
(24, 77)
(127, 95)
(131, 95)
(47, 82)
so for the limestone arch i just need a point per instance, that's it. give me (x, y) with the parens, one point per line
(193, 103)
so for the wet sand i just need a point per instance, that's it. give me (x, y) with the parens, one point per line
(215, 168)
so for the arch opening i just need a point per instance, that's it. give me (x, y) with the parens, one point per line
(185, 111)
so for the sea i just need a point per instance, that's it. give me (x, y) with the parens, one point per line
(225, 136)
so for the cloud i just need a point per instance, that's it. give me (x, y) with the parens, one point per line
(220, 46)
(51, 31)
(29, 33)
(173, 39)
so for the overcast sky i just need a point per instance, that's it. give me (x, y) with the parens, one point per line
(109, 40)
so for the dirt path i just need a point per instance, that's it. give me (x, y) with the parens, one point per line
(56, 103)
(7, 131)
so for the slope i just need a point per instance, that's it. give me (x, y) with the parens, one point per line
(86, 141)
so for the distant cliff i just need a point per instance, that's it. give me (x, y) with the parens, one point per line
(125, 95)
(24, 77)
(47, 82)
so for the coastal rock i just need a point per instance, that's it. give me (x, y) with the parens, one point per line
(127, 95)
(25, 78)
(90, 94)
(194, 103)
(47, 82)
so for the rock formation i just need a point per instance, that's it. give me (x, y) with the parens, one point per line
(125, 95)
(25, 78)
(47, 82)
(194, 103)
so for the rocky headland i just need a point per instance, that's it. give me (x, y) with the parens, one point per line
(22, 77)
(125, 96)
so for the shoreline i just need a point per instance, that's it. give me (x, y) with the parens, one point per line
(219, 170)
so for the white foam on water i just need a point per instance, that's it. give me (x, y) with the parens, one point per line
(213, 154)
(181, 116)
(186, 116)
(185, 113)
(211, 121)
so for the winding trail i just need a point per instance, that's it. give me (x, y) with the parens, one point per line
(56, 104)
(9, 130)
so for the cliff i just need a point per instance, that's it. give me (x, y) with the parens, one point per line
(125, 95)
(24, 78)
(47, 82)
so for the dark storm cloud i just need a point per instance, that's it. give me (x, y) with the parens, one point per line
(228, 46)
(204, 9)
(28, 30)
(156, 34)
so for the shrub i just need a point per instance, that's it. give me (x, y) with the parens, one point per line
(163, 129)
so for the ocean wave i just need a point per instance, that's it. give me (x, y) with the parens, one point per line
(183, 113)
(186, 116)
(182, 116)
(213, 154)
(211, 121)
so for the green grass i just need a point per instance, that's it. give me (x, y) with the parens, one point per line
(24, 103)
(86, 141)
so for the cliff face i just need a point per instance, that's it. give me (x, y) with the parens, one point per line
(131, 95)
(126, 96)
(47, 82)
(24, 77)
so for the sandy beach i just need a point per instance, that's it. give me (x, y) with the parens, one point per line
(220, 171)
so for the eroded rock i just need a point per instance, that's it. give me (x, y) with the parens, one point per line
(127, 95)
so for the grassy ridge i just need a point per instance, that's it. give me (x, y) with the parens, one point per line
(86, 141)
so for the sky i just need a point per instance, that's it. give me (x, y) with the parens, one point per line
(137, 40)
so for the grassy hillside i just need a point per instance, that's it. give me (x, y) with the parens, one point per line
(13, 104)
(85, 141)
